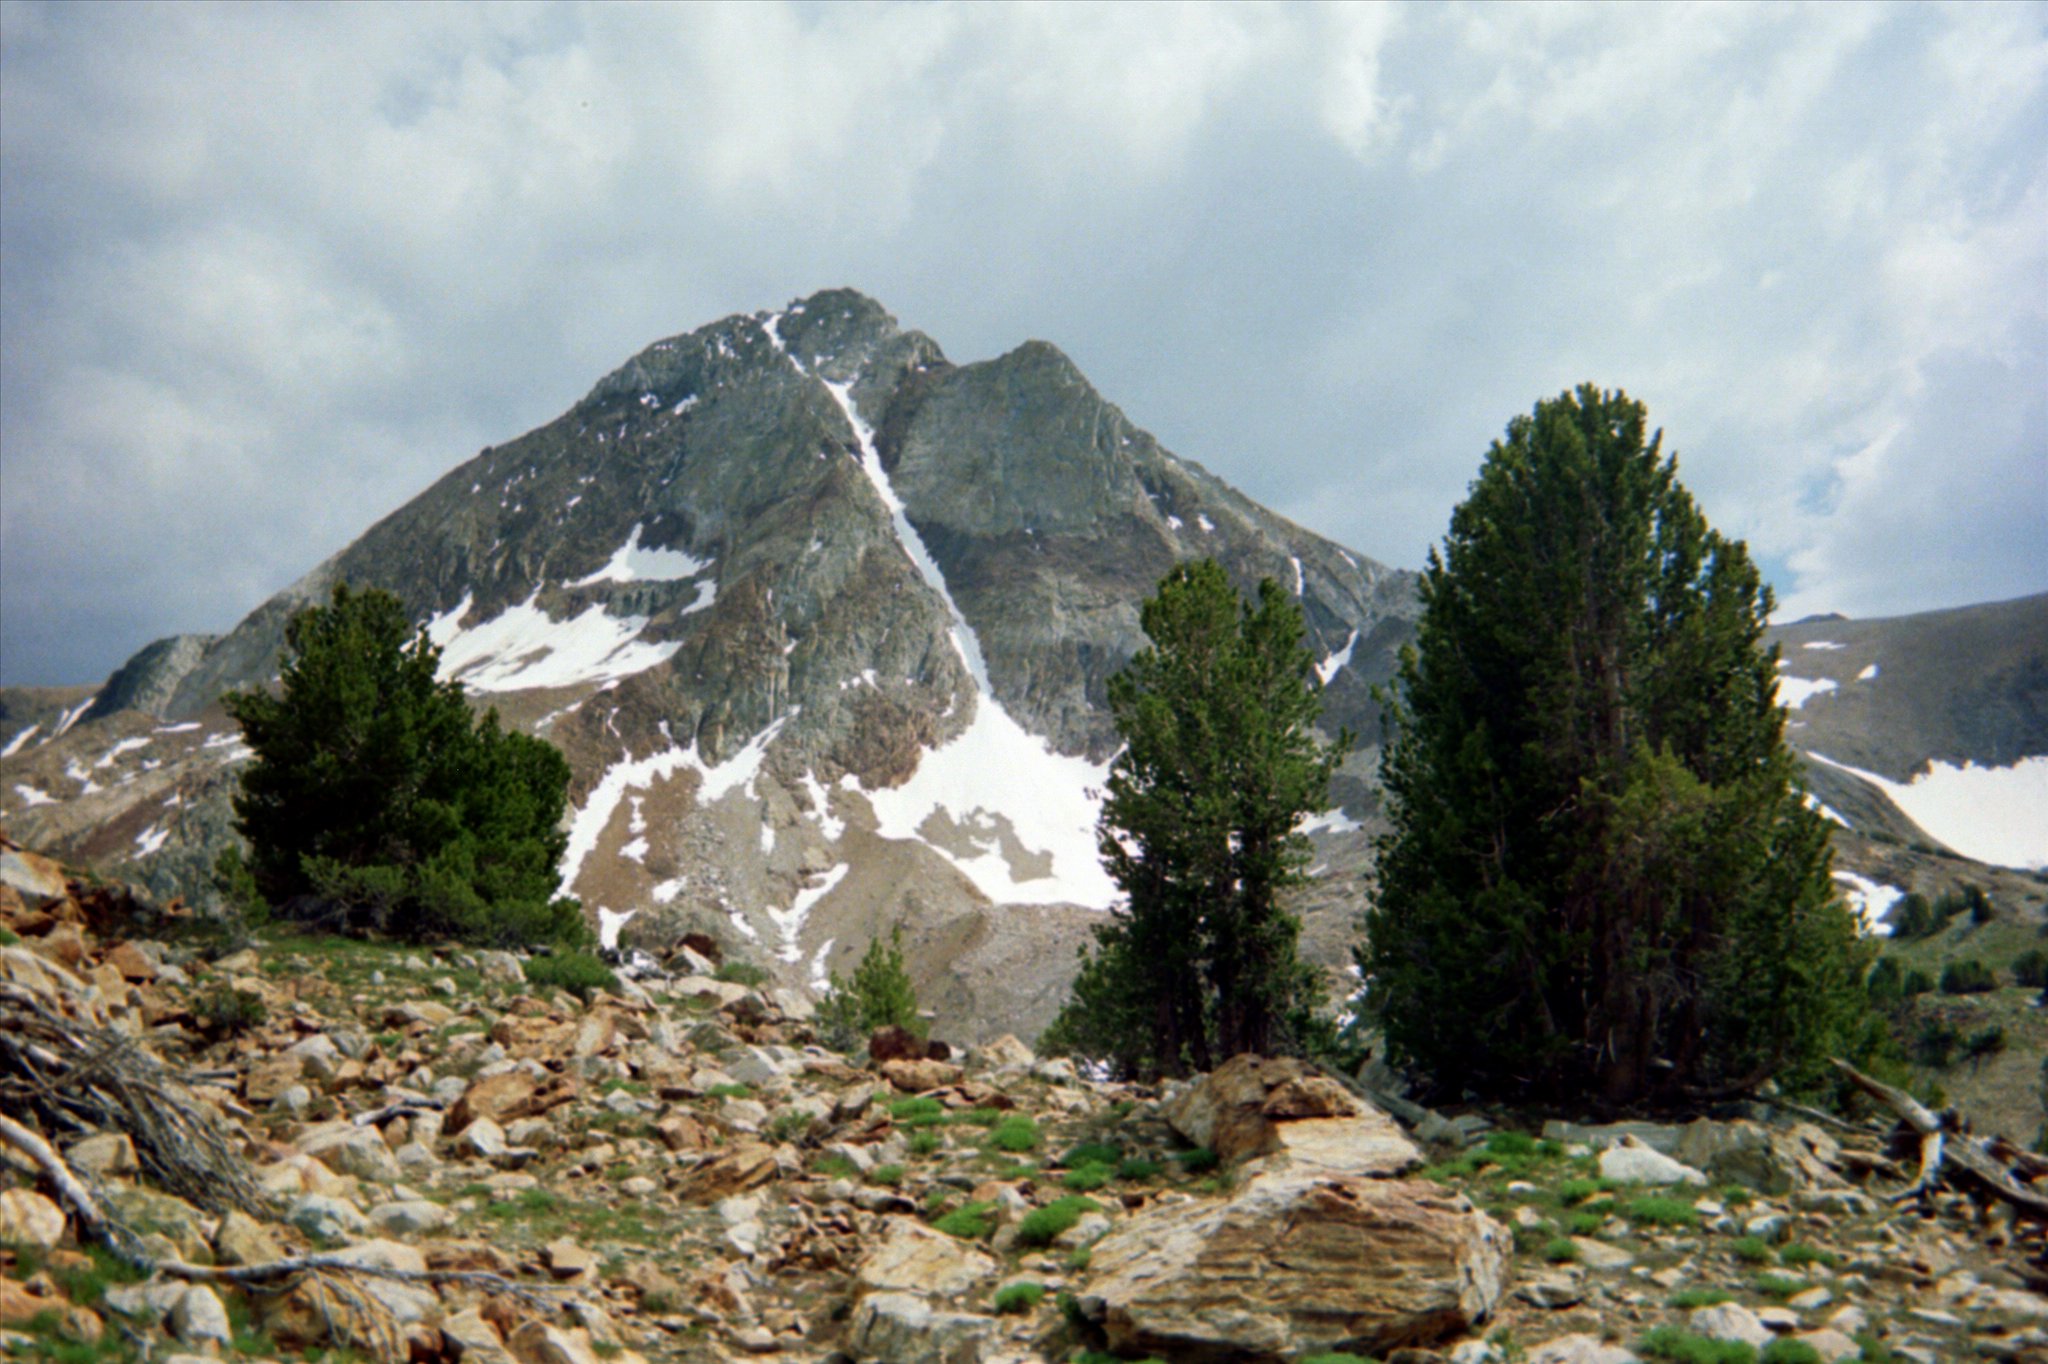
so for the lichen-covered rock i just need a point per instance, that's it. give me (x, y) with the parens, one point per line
(902, 1328)
(913, 1258)
(1296, 1262)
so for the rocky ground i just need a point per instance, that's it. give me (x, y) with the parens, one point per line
(481, 1167)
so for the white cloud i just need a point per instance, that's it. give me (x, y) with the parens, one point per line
(270, 270)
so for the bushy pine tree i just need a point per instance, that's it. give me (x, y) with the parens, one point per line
(377, 803)
(1602, 880)
(1198, 828)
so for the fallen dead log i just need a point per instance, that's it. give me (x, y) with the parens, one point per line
(1960, 1160)
(73, 1075)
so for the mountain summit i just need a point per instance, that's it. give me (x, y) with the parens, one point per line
(823, 623)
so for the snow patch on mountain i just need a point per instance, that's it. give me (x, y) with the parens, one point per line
(631, 563)
(1336, 662)
(1872, 901)
(523, 647)
(1329, 821)
(15, 744)
(1794, 692)
(995, 770)
(790, 922)
(1994, 814)
(639, 774)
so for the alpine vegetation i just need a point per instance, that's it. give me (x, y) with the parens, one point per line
(1199, 830)
(1602, 879)
(378, 804)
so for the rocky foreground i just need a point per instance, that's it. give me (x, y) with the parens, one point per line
(385, 1153)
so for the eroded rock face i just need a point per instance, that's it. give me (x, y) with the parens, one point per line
(1259, 1106)
(911, 1257)
(1297, 1261)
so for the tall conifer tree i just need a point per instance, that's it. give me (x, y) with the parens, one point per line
(1220, 763)
(1602, 878)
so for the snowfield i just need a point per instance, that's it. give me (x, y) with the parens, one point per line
(1994, 814)
(994, 770)
(1871, 900)
(523, 647)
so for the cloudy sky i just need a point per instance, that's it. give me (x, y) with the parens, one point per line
(268, 270)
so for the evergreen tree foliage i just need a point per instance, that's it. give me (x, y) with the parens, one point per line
(1602, 880)
(1198, 828)
(376, 802)
(880, 995)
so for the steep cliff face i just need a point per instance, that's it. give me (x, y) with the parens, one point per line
(823, 622)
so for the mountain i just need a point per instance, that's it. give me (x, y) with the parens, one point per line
(1930, 727)
(822, 621)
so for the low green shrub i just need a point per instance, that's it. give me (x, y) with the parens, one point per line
(1750, 1249)
(1042, 1226)
(1137, 1167)
(1967, 977)
(1686, 1299)
(1683, 1347)
(741, 973)
(1560, 1250)
(1086, 1178)
(1584, 1223)
(1199, 1161)
(1798, 1254)
(1092, 1153)
(1661, 1211)
(1785, 1351)
(1014, 1133)
(224, 1011)
(970, 1223)
(1780, 1285)
(890, 1175)
(926, 1141)
(1022, 1296)
(580, 973)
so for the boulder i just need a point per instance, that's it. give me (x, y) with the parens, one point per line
(1729, 1321)
(912, 1257)
(352, 1150)
(1631, 1162)
(919, 1077)
(106, 1155)
(1006, 1053)
(743, 1167)
(903, 1328)
(37, 879)
(1772, 1160)
(1258, 1106)
(29, 1219)
(1298, 1263)
(507, 1095)
(199, 1317)
(1580, 1349)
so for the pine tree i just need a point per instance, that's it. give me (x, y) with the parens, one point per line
(1198, 829)
(377, 803)
(1602, 878)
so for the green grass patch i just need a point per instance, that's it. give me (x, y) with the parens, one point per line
(1584, 1223)
(733, 1091)
(1023, 1296)
(1014, 1133)
(1686, 1299)
(915, 1111)
(1042, 1226)
(1798, 1255)
(835, 1167)
(1683, 1347)
(1752, 1250)
(1660, 1211)
(926, 1142)
(1560, 1250)
(1137, 1168)
(1783, 1351)
(1780, 1286)
(1087, 1178)
(889, 1175)
(1575, 1191)
(1199, 1161)
(1092, 1153)
(970, 1223)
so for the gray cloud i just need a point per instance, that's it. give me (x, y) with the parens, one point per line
(266, 271)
